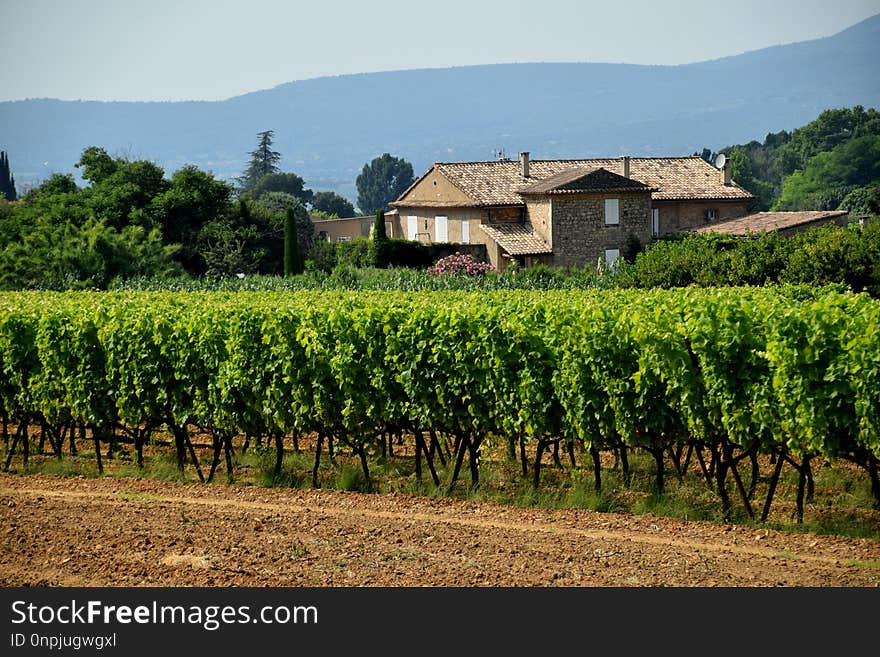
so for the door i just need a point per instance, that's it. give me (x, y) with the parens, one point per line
(412, 228)
(441, 229)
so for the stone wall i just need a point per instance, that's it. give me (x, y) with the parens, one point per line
(580, 235)
(678, 216)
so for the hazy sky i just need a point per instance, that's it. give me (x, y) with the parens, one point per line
(214, 49)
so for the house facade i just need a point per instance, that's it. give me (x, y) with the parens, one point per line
(564, 212)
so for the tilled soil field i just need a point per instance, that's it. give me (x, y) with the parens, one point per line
(60, 531)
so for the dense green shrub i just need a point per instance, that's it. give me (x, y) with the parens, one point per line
(822, 255)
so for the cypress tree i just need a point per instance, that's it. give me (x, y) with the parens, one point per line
(4, 175)
(379, 247)
(7, 182)
(293, 263)
(379, 229)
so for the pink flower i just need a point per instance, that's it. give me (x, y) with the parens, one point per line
(460, 263)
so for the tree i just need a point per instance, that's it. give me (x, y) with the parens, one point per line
(829, 130)
(229, 249)
(247, 239)
(862, 201)
(192, 199)
(706, 154)
(55, 241)
(263, 161)
(97, 165)
(830, 176)
(289, 183)
(379, 248)
(305, 229)
(741, 171)
(332, 204)
(121, 190)
(7, 180)
(293, 263)
(279, 203)
(379, 232)
(381, 181)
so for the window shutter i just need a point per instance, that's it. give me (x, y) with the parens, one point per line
(612, 211)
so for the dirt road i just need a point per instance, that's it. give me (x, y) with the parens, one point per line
(60, 531)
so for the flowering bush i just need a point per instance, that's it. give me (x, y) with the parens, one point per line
(460, 263)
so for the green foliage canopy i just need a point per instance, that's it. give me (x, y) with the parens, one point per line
(289, 183)
(381, 181)
(783, 172)
(332, 204)
(830, 176)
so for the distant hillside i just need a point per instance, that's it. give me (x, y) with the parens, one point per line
(327, 128)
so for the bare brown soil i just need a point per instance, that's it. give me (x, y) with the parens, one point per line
(61, 531)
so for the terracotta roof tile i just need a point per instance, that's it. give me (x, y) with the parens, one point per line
(517, 239)
(583, 179)
(498, 182)
(763, 222)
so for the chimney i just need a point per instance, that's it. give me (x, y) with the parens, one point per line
(626, 166)
(524, 161)
(725, 174)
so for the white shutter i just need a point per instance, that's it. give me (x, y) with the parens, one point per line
(611, 256)
(465, 232)
(441, 229)
(655, 222)
(612, 211)
(412, 227)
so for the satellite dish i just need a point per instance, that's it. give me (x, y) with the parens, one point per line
(720, 160)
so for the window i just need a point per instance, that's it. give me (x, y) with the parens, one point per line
(441, 229)
(612, 211)
(655, 222)
(465, 232)
(611, 256)
(412, 228)
(711, 214)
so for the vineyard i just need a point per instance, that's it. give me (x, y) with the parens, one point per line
(714, 383)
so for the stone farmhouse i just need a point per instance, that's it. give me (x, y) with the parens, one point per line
(567, 213)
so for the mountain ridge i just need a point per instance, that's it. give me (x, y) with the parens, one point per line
(328, 127)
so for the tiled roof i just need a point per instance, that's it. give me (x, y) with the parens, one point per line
(369, 217)
(583, 179)
(498, 182)
(768, 221)
(516, 238)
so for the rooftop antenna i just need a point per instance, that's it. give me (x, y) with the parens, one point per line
(720, 160)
